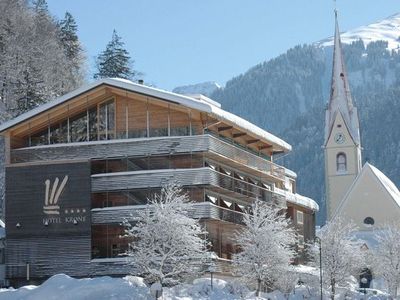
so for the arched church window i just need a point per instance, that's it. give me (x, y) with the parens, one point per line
(369, 221)
(341, 162)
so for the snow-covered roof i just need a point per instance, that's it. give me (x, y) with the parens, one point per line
(204, 105)
(387, 184)
(381, 178)
(290, 173)
(298, 199)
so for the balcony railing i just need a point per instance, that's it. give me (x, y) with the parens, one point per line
(203, 210)
(243, 156)
(214, 180)
(150, 146)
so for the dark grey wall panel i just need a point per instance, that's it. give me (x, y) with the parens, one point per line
(68, 198)
(48, 221)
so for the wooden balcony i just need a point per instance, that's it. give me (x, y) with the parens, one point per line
(203, 210)
(212, 147)
(207, 177)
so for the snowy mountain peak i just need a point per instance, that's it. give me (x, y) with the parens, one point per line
(386, 30)
(205, 88)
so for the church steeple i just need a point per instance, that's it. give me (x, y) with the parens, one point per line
(340, 97)
(342, 133)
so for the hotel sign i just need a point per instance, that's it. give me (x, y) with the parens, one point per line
(50, 199)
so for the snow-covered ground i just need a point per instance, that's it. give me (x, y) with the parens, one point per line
(385, 30)
(63, 287)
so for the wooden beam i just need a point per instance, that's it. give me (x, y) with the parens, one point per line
(252, 141)
(264, 147)
(224, 128)
(236, 135)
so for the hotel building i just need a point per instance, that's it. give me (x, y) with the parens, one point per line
(77, 166)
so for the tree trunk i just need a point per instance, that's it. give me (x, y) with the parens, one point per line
(258, 287)
(333, 282)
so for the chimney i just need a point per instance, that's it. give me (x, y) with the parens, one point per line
(140, 81)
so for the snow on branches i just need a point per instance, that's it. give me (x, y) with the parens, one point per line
(167, 244)
(266, 245)
(386, 258)
(341, 253)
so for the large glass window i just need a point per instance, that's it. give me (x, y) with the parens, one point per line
(78, 128)
(106, 122)
(108, 241)
(92, 113)
(40, 138)
(98, 122)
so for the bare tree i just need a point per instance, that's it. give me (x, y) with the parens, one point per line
(168, 245)
(266, 244)
(386, 258)
(341, 253)
(34, 67)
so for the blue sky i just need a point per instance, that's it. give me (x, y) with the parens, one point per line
(180, 42)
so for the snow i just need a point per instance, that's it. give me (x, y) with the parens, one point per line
(298, 199)
(387, 30)
(389, 186)
(206, 88)
(290, 173)
(201, 105)
(63, 287)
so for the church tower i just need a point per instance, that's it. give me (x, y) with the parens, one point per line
(342, 145)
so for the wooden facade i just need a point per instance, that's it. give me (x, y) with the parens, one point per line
(116, 147)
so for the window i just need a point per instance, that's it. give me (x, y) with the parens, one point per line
(341, 162)
(299, 217)
(106, 121)
(369, 221)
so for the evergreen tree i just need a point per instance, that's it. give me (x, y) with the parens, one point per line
(115, 61)
(67, 34)
(34, 68)
(68, 37)
(40, 6)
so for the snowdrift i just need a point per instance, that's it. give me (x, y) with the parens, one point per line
(63, 287)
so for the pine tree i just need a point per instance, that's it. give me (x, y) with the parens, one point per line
(67, 34)
(34, 67)
(115, 61)
(68, 37)
(40, 6)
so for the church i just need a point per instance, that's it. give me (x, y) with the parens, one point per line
(356, 192)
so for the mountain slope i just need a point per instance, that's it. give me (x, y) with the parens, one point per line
(205, 88)
(287, 96)
(387, 30)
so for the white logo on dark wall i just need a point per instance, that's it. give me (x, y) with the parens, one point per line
(52, 195)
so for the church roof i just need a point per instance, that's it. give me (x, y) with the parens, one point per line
(340, 97)
(389, 186)
(381, 179)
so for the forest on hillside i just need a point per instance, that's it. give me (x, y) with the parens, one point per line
(287, 96)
